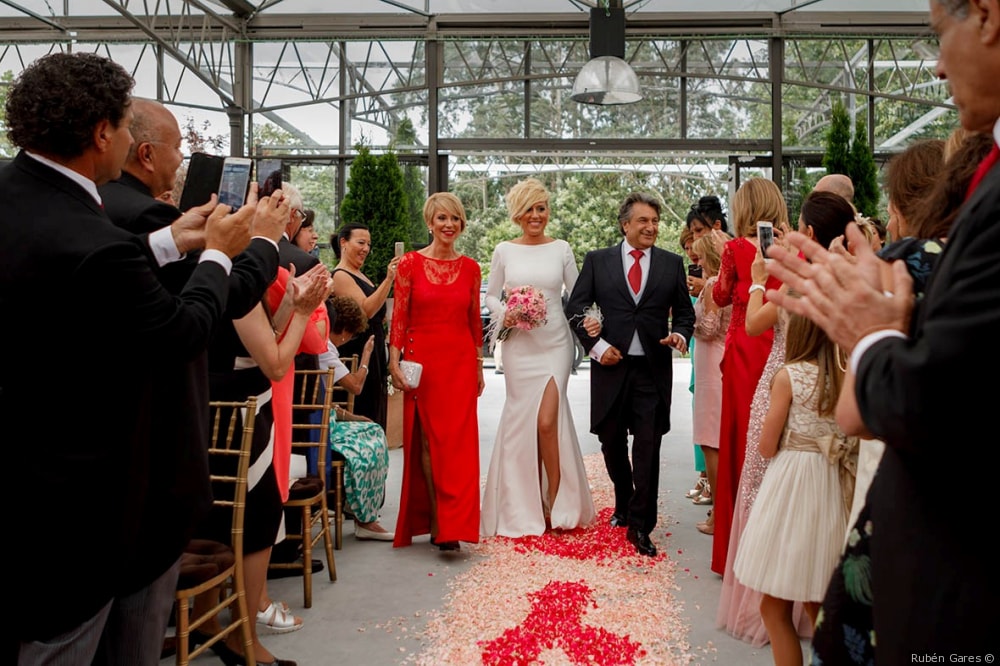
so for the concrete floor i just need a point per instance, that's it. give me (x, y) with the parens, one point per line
(375, 611)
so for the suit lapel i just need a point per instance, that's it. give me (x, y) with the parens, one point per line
(656, 273)
(615, 273)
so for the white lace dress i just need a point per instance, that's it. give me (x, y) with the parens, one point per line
(795, 531)
(513, 498)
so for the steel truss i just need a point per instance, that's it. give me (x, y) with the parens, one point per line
(367, 73)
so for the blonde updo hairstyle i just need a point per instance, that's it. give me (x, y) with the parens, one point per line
(523, 196)
(708, 254)
(757, 199)
(447, 202)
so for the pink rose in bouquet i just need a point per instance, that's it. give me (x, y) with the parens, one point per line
(527, 305)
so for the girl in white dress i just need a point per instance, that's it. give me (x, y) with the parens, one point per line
(795, 531)
(536, 478)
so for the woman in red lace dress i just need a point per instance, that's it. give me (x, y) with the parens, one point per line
(744, 356)
(436, 322)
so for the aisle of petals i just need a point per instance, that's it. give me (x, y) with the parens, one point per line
(566, 597)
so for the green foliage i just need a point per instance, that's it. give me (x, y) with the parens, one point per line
(414, 186)
(863, 172)
(6, 148)
(376, 198)
(838, 141)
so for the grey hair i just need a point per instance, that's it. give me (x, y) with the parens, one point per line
(625, 211)
(956, 8)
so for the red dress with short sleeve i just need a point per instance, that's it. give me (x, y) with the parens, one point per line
(436, 322)
(742, 364)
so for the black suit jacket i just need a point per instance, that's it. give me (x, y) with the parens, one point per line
(178, 493)
(602, 281)
(931, 399)
(88, 328)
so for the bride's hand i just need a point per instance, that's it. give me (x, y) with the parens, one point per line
(592, 326)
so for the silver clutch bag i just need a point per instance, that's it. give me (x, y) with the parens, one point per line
(411, 371)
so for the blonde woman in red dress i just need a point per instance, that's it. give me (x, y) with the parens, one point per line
(436, 323)
(744, 357)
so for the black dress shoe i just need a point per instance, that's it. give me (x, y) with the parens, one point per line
(618, 520)
(642, 542)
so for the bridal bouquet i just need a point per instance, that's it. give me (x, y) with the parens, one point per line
(528, 307)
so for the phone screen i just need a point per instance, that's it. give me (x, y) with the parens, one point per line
(234, 183)
(268, 177)
(765, 234)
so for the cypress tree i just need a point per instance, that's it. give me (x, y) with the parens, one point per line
(863, 173)
(838, 141)
(375, 198)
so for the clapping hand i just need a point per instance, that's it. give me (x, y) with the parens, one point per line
(309, 290)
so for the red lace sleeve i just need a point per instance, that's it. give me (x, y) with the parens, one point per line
(475, 320)
(722, 292)
(401, 301)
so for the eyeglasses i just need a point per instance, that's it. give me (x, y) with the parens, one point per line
(301, 213)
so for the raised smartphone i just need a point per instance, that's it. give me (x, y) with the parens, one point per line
(400, 248)
(694, 270)
(235, 181)
(268, 177)
(203, 174)
(765, 236)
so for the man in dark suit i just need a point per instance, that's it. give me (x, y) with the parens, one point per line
(179, 493)
(647, 313)
(73, 281)
(933, 580)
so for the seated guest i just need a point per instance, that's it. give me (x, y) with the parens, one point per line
(357, 439)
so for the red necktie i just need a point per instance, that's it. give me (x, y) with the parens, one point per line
(982, 170)
(635, 272)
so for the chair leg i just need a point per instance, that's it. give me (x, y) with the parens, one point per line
(306, 557)
(339, 506)
(183, 632)
(324, 524)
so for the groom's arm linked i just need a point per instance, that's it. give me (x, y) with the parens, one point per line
(681, 310)
(584, 294)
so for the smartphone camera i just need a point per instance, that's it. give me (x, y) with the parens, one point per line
(268, 177)
(765, 236)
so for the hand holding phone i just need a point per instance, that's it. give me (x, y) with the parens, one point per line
(235, 181)
(765, 236)
(268, 177)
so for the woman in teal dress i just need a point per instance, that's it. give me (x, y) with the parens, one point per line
(356, 439)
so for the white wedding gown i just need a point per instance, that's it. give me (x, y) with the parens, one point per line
(515, 485)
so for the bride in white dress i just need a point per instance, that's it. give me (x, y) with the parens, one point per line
(536, 478)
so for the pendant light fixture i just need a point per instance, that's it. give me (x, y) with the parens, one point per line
(607, 79)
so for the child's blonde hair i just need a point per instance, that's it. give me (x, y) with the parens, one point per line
(708, 253)
(805, 341)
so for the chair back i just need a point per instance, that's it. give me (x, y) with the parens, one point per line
(207, 564)
(311, 405)
(229, 460)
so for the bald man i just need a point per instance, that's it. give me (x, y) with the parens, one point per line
(178, 490)
(837, 183)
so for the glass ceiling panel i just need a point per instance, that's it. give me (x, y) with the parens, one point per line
(55, 8)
